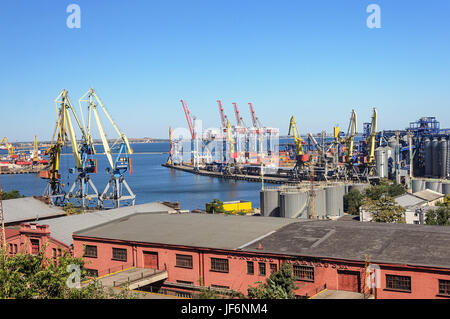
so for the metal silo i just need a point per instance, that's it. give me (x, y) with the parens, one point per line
(320, 204)
(435, 151)
(446, 189)
(334, 200)
(434, 186)
(294, 204)
(269, 200)
(381, 162)
(428, 157)
(443, 157)
(418, 185)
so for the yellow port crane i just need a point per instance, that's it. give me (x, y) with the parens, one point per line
(300, 157)
(351, 132)
(298, 141)
(9, 147)
(35, 151)
(54, 189)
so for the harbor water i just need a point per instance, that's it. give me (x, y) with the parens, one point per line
(149, 180)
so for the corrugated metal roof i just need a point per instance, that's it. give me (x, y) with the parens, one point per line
(407, 200)
(428, 195)
(28, 209)
(63, 228)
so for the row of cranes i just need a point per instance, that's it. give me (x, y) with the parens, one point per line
(340, 157)
(245, 149)
(228, 149)
(83, 189)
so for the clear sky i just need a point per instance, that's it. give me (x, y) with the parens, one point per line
(313, 59)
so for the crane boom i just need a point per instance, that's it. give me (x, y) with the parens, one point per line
(188, 119)
(298, 141)
(371, 144)
(254, 118)
(351, 135)
(9, 147)
(223, 117)
(236, 112)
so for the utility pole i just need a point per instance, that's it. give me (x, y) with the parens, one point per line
(312, 192)
(397, 157)
(410, 159)
(2, 216)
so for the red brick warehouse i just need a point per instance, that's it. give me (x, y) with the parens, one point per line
(234, 252)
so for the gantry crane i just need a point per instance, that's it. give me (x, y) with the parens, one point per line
(255, 120)
(9, 147)
(35, 155)
(121, 164)
(300, 157)
(54, 190)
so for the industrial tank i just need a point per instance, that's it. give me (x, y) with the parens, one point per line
(294, 204)
(434, 186)
(435, 150)
(443, 157)
(418, 185)
(269, 201)
(320, 204)
(334, 200)
(446, 189)
(381, 162)
(428, 157)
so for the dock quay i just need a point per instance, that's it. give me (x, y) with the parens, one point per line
(271, 179)
(28, 170)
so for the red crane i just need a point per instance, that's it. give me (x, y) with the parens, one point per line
(223, 117)
(189, 119)
(236, 111)
(254, 118)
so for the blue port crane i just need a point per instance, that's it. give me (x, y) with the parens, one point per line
(120, 190)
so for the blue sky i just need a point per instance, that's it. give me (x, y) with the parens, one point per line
(313, 59)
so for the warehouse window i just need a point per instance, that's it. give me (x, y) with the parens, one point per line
(219, 264)
(250, 268)
(304, 273)
(119, 254)
(92, 273)
(262, 269)
(273, 268)
(90, 251)
(444, 287)
(220, 287)
(401, 283)
(34, 246)
(184, 261)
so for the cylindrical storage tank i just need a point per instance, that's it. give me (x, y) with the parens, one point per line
(428, 157)
(434, 186)
(418, 185)
(381, 162)
(269, 202)
(443, 157)
(446, 189)
(334, 200)
(390, 160)
(392, 143)
(294, 204)
(320, 204)
(435, 150)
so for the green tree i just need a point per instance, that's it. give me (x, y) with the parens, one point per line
(280, 285)
(353, 201)
(384, 188)
(71, 209)
(216, 206)
(385, 209)
(25, 276)
(439, 216)
(11, 195)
